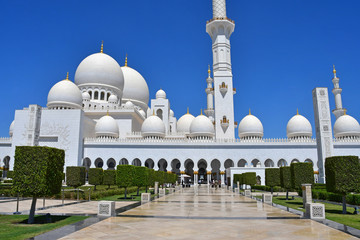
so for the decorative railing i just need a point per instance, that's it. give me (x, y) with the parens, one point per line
(5, 139)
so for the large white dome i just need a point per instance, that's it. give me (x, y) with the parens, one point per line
(183, 124)
(298, 126)
(160, 94)
(202, 126)
(153, 126)
(346, 126)
(64, 94)
(99, 69)
(136, 89)
(107, 127)
(251, 126)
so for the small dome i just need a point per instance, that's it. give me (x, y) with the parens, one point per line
(113, 99)
(171, 113)
(86, 96)
(183, 124)
(160, 94)
(202, 126)
(99, 69)
(346, 126)
(135, 87)
(107, 127)
(153, 126)
(251, 126)
(129, 105)
(11, 128)
(298, 126)
(142, 112)
(65, 94)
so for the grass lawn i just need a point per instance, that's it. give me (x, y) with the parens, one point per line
(332, 212)
(11, 227)
(119, 197)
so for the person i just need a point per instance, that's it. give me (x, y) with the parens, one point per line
(182, 183)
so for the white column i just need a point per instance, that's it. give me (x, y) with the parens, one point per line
(208, 177)
(222, 173)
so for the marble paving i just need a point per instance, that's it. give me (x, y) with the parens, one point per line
(210, 214)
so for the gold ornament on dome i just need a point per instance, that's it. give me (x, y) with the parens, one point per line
(196, 172)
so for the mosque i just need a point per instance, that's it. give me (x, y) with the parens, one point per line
(104, 119)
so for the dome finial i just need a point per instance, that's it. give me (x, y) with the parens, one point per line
(126, 61)
(249, 111)
(209, 71)
(67, 76)
(345, 111)
(107, 113)
(201, 112)
(334, 71)
(187, 110)
(154, 112)
(297, 111)
(102, 47)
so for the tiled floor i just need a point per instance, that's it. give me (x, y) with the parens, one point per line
(212, 214)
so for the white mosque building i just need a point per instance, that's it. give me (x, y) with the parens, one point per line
(104, 119)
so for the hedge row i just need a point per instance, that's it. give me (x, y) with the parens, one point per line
(268, 188)
(353, 199)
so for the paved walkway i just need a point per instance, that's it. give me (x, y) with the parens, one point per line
(212, 214)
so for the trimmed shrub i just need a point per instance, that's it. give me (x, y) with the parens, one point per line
(151, 177)
(109, 177)
(160, 177)
(37, 172)
(301, 173)
(342, 175)
(249, 178)
(95, 176)
(272, 177)
(75, 176)
(285, 179)
(10, 174)
(236, 178)
(125, 176)
(1, 174)
(140, 177)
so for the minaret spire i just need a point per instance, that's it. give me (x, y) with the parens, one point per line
(219, 9)
(102, 47)
(126, 61)
(223, 90)
(339, 110)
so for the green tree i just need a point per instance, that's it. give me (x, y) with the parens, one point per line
(37, 173)
(109, 177)
(249, 178)
(151, 177)
(75, 176)
(342, 175)
(95, 176)
(272, 177)
(285, 179)
(301, 173)
(140, 178)
(160, 177)
(125, 177)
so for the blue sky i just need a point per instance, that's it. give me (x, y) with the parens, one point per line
(281, 50)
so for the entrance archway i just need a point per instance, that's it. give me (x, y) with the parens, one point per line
(162, 164)
(189, 170)
(215, 169)
(202, 165)
(149, 163)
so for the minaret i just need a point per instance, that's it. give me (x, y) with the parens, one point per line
(210, 98)
(339, 110)
(220, 29)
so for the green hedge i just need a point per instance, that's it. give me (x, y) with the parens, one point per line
(140, 176)
(75, 176)
(237, 179)
(8, 181)
(268, 188)
(38, 170)
(342, 174)
(301, 173)
(249, 178)
(9, 174)
(151, 177)
(1, 174)
(285, 177)
(95, 176)
(109, 177)
(125, 176)
(272, 177)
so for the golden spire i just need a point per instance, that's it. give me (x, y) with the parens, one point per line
(249, 111)
(334, 71)
(209, 71)
(154, 112)
(67, 76)
(345, 111)
(187, 110)
(102, 47)
(297, 111)
(201, 112)
(126, 61)
(107, 113)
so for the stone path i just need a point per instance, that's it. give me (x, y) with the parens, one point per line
(212, 214)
